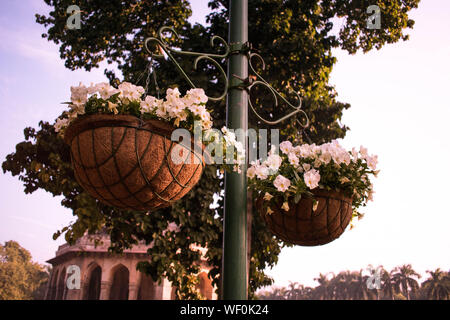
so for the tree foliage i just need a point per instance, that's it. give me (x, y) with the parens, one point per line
(352, 285)
(295, 38)
(20, 277)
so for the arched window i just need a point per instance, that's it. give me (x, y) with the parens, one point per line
(146, 288)
(61, 285)
(92, 288)
(120, 283)
(205, 285)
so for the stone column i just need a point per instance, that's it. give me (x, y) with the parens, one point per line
(105, 289)
(133, 291)
(75, 294)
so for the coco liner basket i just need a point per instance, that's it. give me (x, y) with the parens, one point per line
(303, 226)
(126, 162)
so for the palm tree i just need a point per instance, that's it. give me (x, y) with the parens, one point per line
(322, 291)
(387, 285)
(404, 280)
(359, 287)
(295, 291)
(341, 286)
(437, 286)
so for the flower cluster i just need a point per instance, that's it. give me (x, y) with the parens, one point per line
(298, 170)
(127, 99)
(224, 149)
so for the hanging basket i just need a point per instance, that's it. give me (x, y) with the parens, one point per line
(127, 163)
(301, 225)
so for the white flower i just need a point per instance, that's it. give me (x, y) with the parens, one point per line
(262, 172)
(149, 104)
(61, 124)
(281, 183)
(251, 172)
(92, 89)
(78, 108)
(372, 162)
(293, 159)
(78, 99)
(197, 109)
(363, 152)
(273, 162)
(325, 157)
(267, 196)
(79, 93)
(129, 91)
(196, 96)
(285, 206)
(172, 93)
(312, 178)
(105, 90)
(286, 147)
(354, 154)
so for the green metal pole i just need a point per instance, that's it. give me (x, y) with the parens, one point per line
(234, 264)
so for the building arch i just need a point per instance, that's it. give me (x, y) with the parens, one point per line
(120, 281)
(55, 276)
(93, 280)
(147, 288)
(61, 284)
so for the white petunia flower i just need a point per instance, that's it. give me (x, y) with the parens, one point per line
(293, 159)
(285, 206)
(196, 96)
(312, 178)
(273, 162)
(61, 124)
(363, 152)
(372, 162)
(286, 147)
(149, 104)
(281, 183)
(262, 172)
(251, 172)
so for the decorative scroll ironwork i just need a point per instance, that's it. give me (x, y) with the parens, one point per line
(262, 82)
(166, 49)
(211, 57)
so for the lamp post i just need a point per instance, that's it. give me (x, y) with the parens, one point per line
(237, 51)
(234, 261)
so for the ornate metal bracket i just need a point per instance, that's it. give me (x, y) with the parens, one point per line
(246, 84)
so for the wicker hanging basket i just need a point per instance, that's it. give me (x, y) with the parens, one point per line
(301, 225)
(126, 163)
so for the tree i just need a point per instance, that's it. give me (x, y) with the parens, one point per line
(437, 286)
(20, 278)
(405, 282)
(295, 38)
(322, 291)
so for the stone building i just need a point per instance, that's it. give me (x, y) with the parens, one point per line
(106, 276)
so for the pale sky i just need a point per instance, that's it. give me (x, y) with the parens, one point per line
(400, 110)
